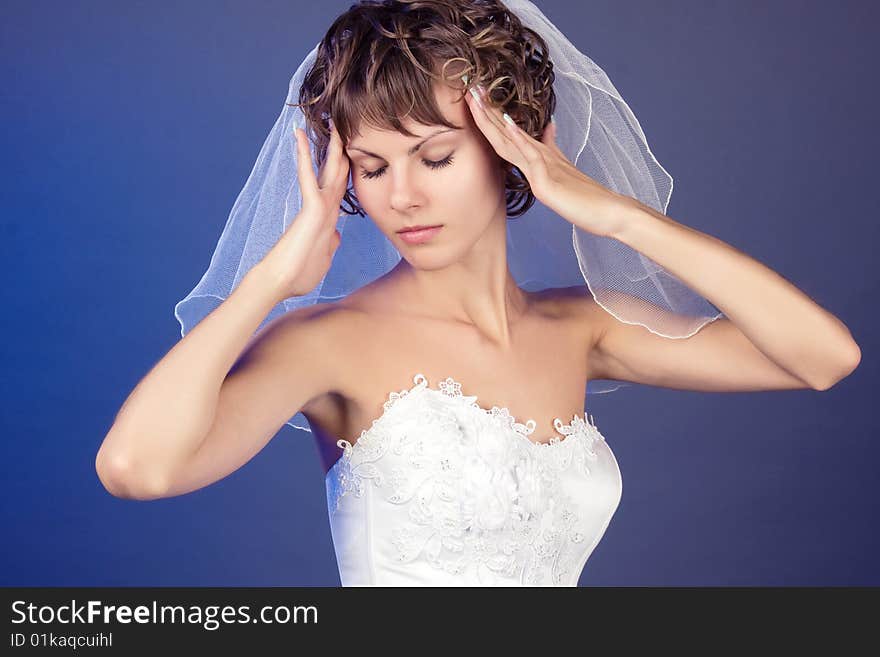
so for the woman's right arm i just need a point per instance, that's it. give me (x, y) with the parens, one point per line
(150, 449)
(206, 408)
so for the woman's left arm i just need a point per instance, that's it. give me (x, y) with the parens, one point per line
(780, 320)
(774, 335)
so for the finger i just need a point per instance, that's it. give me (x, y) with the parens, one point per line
(506, 126)
(484, 108)
(520, 138)
(496, 115)
(342, 171)
(340, 177)
(341, 162)
(331, 161)
(307, 182)
(523, 143)
(493, 130)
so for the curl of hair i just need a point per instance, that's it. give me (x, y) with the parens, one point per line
(379, 60)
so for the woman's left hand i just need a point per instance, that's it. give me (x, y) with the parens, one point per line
(554, 181)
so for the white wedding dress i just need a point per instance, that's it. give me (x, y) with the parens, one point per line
(442, 492)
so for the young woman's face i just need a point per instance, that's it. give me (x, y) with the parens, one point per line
(454, 179)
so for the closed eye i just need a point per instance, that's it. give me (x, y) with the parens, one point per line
(445, 162)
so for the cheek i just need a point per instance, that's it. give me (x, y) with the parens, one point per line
(478, 170)
(481, 182)
(368, 193)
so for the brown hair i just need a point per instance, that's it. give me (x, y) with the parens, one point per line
(379, 60)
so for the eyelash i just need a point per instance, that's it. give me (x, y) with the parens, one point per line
(445, 162)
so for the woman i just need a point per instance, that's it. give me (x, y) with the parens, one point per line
(417, 385)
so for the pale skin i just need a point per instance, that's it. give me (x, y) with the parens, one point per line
(452, 309)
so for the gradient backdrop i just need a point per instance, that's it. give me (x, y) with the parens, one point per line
(129, 129)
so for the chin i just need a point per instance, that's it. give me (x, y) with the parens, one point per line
(426, 262)
(429, 259)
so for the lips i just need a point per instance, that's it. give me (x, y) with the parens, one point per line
(415, 228)
(416, 235)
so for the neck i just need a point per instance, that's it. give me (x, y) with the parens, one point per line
(477, 290)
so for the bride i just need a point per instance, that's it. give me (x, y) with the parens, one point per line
(445, 394)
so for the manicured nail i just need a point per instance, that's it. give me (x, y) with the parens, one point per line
(476, 96)
(464, 79)
(509, 120)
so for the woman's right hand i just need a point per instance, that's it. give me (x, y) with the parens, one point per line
(303, 254)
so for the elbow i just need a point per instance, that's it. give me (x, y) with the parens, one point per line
(848, 365)
(121, 480)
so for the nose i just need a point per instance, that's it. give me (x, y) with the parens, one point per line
(404, 194)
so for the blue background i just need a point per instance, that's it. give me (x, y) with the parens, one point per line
(129, 129)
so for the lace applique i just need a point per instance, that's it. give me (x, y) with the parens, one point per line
(484, 499)
(371, 446)
(577, 426)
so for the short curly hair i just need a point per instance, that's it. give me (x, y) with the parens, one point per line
(379, 60)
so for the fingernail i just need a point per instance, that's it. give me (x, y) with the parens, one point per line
(464, 78)
(507, 118)
(476, 96)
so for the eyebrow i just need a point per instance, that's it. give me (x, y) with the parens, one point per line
(411, 150)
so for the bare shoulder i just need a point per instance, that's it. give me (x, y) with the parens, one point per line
(331, 328)
(308, 341)
(565, 295)
(575, 305)
(320, 329)
(309, 348)
(321, 315)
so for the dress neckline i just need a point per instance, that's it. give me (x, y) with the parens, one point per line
(580, 425)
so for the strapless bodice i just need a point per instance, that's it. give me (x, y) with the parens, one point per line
(439, 491)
